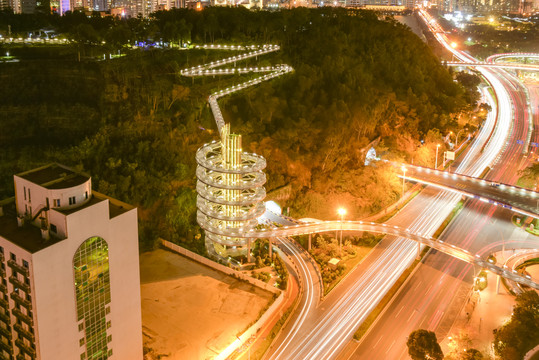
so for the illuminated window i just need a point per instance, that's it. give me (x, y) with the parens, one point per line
(92, 289)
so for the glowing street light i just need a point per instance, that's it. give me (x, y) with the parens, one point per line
(457, 138)
(341, 212)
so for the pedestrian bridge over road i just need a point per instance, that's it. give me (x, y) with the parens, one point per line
(327, 226)
(528, 67)
(511, 197)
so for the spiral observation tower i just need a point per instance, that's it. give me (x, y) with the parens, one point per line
(230, 181)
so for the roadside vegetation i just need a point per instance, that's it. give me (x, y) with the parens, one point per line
(514, 339)
(134, 124)
(354, 249)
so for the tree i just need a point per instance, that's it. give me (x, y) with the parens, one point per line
(422, 344)
(519, 335)
(471, 354)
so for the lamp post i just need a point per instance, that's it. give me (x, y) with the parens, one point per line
(457, 139)
(436, 161)
(403, 168)
(341, 212)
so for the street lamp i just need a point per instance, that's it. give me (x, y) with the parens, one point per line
(403, 168)
(341, 212)
(457, 139)
(436, 161)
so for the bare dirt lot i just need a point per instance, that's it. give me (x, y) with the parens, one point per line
(190, 311)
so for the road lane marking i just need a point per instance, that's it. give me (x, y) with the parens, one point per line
(399, 311)
(418, 285)
(380, 338)
(390, 346)
(411, 316)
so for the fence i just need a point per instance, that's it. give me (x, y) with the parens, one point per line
(219, 267)
(251, 332)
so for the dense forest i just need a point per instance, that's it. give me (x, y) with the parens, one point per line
(134, 123)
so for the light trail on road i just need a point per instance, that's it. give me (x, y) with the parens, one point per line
(450, 272)
(329, 334)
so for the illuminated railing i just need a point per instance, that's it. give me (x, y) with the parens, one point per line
(231, 181)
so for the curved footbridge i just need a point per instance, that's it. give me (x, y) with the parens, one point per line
(511, 197)
(231, 193)
(328, 226)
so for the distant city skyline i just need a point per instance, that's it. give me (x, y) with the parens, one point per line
(131, 8)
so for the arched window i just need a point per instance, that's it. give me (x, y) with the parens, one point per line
(92, 291)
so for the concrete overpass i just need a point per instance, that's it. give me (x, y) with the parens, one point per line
(515, 66)
(511, 197)
(328, 226)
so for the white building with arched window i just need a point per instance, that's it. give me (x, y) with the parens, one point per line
(69, 271)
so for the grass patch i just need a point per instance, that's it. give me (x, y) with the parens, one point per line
(514, 220)
(526, 182)
(523, 219)
(484, 173)
(480, 282)
(365, 325)
(354, 249)
(527, 263)
(348, 263)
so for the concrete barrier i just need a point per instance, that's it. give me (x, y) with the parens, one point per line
(219, 267)
(253, 330)
(530, 353)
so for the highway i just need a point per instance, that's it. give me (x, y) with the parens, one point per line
(435, 293)
(323, 332)
(329, 333)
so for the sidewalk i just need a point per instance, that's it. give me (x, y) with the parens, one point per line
(484, 311)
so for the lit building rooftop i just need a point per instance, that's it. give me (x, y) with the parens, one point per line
(54, 176)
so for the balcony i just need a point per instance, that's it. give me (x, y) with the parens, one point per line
(5, 318)
(18, 267)
(23, 317)
(25, 348)
(6, 332)
(3, 288)
(20, 300)
(6, 346)
(3, 302)
(23, 332)
(19, 284)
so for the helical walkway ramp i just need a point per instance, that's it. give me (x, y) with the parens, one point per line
(230, 183)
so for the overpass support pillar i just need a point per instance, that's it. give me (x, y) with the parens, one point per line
(418, 251)
(309, 245)
(249, 259)
(498, 285)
